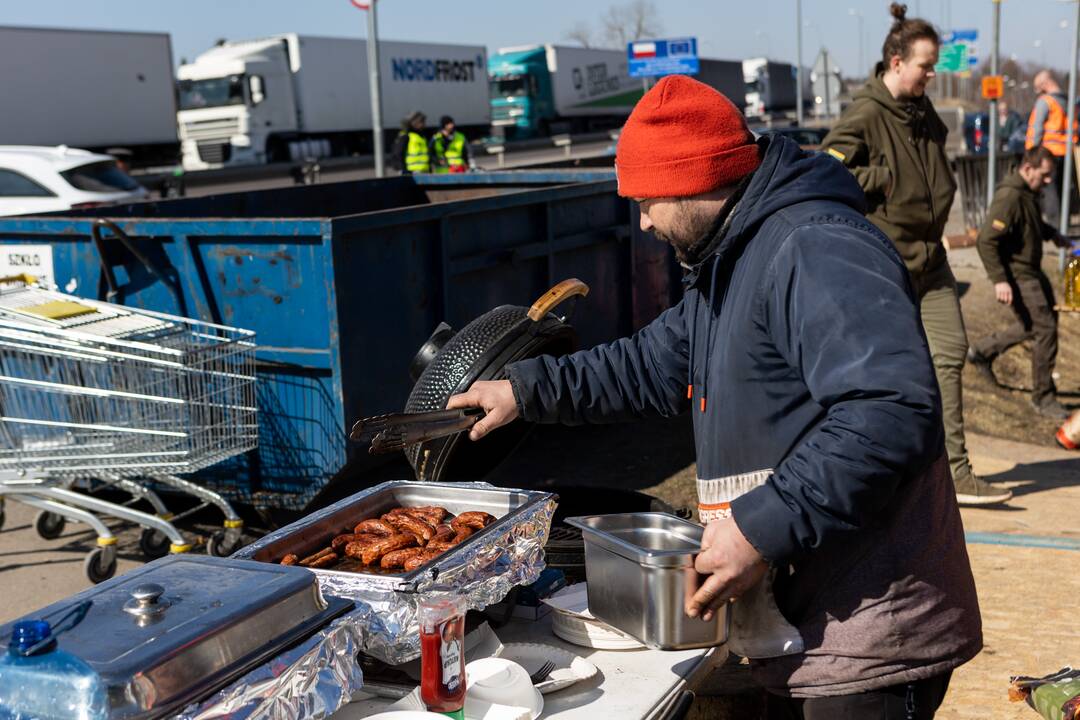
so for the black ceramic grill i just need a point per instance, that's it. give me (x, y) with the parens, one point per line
(451, 362)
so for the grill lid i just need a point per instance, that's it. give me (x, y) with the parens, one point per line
(451, 362)
(181, 627)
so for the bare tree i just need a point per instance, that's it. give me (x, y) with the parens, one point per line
(581, 33)
(632, 21)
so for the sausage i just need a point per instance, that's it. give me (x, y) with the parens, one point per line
(422, 559)
(324, 560)
(312, 558)
(443, 532)
(397, 558)
(289, 559)
(342, 540)
(475, 519)
(374, 526)
(410, 524)
(356, 549)
(374, 551)
(448, 541)
(431, 514)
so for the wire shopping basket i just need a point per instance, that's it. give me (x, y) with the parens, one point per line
(87, 387)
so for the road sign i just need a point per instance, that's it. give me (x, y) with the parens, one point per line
(960, 36)
(952, 58)
(653, 58)
(993, 87)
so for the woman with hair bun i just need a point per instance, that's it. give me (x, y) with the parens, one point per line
(893, 141)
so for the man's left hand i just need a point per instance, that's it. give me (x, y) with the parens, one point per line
(1061, 241)
(732, 564)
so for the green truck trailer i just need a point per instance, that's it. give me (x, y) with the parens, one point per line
(539, 90)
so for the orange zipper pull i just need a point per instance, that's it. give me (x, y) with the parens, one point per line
(689, 392)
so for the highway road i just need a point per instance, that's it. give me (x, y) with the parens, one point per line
(344, 169)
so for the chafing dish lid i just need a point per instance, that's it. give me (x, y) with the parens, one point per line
(183, 626)
(654, 539)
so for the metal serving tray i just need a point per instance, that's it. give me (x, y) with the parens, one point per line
(640, 571)
(318, 529)
(481, 570)
(177, 629)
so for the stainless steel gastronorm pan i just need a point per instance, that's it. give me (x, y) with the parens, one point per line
(317, 530)
(640, 570)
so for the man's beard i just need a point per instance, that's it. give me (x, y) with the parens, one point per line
(695, 229)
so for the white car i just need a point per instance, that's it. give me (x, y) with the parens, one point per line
(45, 179)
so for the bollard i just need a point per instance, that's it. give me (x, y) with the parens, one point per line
(563, 141)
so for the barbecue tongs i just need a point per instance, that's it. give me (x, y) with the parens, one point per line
(395, 431)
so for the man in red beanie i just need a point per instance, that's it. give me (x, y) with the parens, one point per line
(822, 472)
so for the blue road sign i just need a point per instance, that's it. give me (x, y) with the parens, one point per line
(653, 58)
(964, 36)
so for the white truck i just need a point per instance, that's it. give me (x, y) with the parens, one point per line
(295, 97)
(770, 87)
(539, 90)
(89, 89)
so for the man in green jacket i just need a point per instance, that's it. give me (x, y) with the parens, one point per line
(893, 141)
(1010, 245)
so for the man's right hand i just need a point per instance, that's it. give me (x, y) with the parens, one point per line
(1004, 293)
(495, 398)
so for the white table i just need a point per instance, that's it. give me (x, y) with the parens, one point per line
(642, 683)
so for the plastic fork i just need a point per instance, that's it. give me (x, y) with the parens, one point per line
(542, 673)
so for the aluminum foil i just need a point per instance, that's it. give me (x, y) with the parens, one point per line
(482, 573)
(312, 680)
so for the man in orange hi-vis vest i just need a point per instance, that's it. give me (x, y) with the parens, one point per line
(1047, 126)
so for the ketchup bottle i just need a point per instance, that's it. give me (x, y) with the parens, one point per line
(442, 656)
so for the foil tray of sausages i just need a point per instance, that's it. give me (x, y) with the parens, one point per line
(497, 541)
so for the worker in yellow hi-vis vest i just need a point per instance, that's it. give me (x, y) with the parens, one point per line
(410, 152)
(450, 152)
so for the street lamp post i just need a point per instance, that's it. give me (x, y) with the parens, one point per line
(1066, 186)
(991, 177)
(798, 64)
(858, 15)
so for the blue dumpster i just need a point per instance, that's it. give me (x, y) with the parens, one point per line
(343, 282)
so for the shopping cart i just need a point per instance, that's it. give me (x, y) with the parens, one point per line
(94, 395)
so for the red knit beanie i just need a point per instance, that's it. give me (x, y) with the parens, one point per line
(683, 138)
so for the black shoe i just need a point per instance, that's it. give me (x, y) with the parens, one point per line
(1049, 407)
(983, 364)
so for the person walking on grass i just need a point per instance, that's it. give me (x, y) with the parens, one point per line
(1010, 245)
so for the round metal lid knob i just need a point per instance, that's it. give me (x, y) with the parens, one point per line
(146, 600)
(147, 593)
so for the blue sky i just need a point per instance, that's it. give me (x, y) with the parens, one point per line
(1031, 29)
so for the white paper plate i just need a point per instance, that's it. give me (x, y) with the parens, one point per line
(591, 633)
(569, 668)
(407, 715)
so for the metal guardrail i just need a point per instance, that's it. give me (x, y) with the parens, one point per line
(971, 174)
(175, 183)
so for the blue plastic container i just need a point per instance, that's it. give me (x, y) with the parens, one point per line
(343, 282)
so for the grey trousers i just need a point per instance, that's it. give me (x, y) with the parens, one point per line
(939, 305)
(1033, 306)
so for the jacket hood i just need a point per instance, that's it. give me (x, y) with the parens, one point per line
(1014, 180)
(788, 175)
(875, 91)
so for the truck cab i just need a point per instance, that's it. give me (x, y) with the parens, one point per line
(521, 95)
(232, 98)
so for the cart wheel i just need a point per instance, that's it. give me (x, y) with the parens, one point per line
(49, 525)
(99, 566)
(153, 544)
(218, 546)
